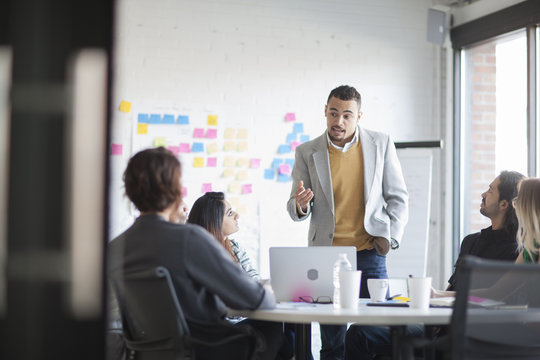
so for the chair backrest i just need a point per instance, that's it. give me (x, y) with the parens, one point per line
(153, 321)
(496, 311)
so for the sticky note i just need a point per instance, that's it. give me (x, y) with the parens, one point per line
(212, 120)
(184, 148)
(284, 149)
(125, 106)
(304, 138)
(276, 163)
(246, 189)
(212, 148)
(184, 191)
(143, 118)
(298, 128)
(116, 149)
(242, 175)
(242, 146)
(168, 119)
(160, 141)
(142, 128)
(182, 120)
(229, 146)
(255, 163)
(228, 172)
(197, 147)
(198, 133)
(206, 187)
(229, 161)
(229, 133)
(234, 188)
(174, 149)
(242, 162)
(291, 137)
(285, 169)
(290, 117)
(211, 133)
(269, 174)
(155, 119)
(211, 162)
(283, 178)
(294, 145)
(241, 209)
(290, 162)
(242, 134)
(198, 162)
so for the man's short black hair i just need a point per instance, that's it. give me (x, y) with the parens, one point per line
(346, 93)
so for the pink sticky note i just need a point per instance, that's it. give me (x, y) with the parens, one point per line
(198, 133)
(246, 189)
(206, 187)
(294, 145)
(174, 149)
(290, 117)
(285, 169)
(184, 191)
(184, 148)
(116, 149)
(211, 162)
(211, 133)
(255, 163)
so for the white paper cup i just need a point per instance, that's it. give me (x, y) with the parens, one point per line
(377, 289)
(349, 288)
(419, 292)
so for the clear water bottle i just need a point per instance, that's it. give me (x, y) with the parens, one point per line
(341, 264)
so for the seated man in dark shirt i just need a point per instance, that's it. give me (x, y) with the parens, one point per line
(495, 242)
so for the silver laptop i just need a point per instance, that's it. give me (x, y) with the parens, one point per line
(306, 272)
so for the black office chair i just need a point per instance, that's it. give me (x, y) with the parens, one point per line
(496, 314)
(155, 327)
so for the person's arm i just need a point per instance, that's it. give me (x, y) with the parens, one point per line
(299, 204)
(243, 259)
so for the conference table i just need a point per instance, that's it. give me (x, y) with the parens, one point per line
(303, 314)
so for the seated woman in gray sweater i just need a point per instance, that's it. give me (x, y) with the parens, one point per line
(206, 279)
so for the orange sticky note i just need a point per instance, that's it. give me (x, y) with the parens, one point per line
(229, 161)
(242, 146)
(212, 148)
(212, 120)
(242, 134)
(242, 175)
(198, 162)
(229, 146)
(242, 162)
(125, 106)
(142, 128)
(229, 133)
(228, 172)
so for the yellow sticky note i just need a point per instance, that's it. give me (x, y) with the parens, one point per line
(198, 162)
(212, 120)
(125, 106)
(241, 209)
(234, 188)
(212, 148)
(242, 175)
(229, 133)
(228, 172)
(142, 128)
(229, 146)
(242, 162)
(242, 134)
(229, 161)
(234, 201)
(160, 141)
(242, 146)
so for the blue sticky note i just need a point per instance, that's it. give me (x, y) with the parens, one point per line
(269, 174)
(304, 138)
(142, 118)
(197, 147)
(291, 137)
(283, 178)
(284, 149)
(155, 119)
(298, 128)
(276, 163)
(289, 162)
(168, 119)
(182, 120)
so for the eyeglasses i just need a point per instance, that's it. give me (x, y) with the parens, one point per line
(319, 300)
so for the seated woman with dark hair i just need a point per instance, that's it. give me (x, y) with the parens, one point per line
(202, 271)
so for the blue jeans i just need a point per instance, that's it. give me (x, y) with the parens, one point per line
(373, 266)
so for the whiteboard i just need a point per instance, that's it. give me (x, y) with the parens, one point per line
(411, 256)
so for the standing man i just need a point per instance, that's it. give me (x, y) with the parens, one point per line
(349, 180)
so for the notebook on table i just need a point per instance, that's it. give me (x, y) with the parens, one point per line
(304, 273)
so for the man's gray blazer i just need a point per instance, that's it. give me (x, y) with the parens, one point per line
(385, 192)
